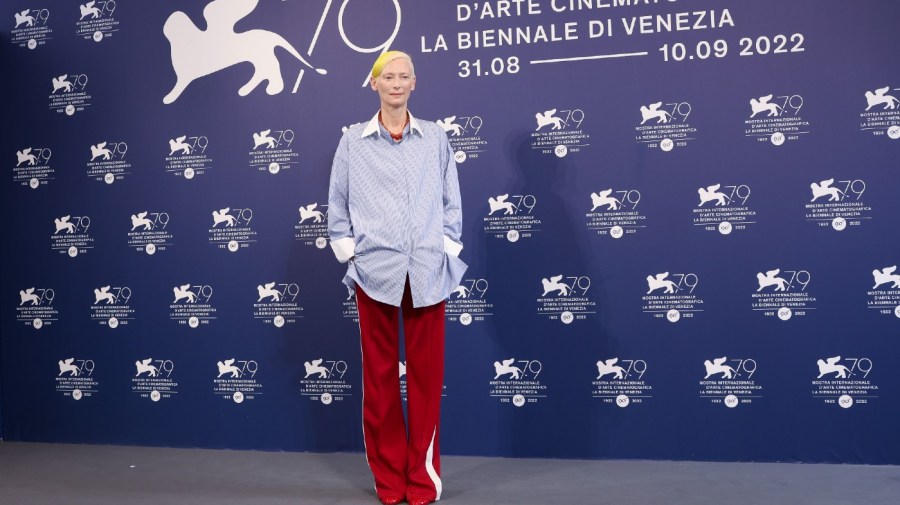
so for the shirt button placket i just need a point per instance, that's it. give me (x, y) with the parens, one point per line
(407, 225)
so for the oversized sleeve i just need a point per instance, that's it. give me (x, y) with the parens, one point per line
(340, 228)
(452, 202)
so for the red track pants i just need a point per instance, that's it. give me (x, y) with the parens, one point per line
(403, 464)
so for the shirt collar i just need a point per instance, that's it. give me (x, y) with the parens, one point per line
(372, 126)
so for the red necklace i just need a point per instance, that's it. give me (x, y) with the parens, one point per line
(396, 136)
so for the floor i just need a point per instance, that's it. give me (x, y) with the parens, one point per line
(113, 475)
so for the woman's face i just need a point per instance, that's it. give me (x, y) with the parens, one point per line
(395, 83)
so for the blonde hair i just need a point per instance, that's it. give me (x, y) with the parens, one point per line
(388, 57)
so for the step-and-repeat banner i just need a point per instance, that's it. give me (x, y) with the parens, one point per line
(680, 220)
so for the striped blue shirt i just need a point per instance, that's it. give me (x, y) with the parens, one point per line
(394, 210)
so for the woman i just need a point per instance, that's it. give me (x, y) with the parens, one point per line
(394, 214)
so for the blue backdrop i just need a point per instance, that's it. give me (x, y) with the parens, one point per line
(680, 222)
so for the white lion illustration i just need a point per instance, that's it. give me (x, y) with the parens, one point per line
(222, 216)
(659, 282)
(712, 193)
(824, 188)
(506, 368)
(27, 295)
(145, 367)
(197, 53)
(603, 198)
(315, 367)
(140, 219)
(104, 294)
(66, 366)
(61, 83)
(228, 367)
(461, 292)
(547, 118)
(886, 276)
(763, 105)
(266, 291)
(501, 203)
(310, 212)
(553, 284)
(100, 150)
(263, 138)
(184, 292)
(831, 365)
(449, 126)
(609, 367)
(178, 144)
(771, 279)
(64, 224)
(653, 112)
(24, 17)
(879, 97)
(717, 366)
(25, 155)
(88, 9)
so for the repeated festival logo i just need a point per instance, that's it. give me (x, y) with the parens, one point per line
(468, 303)
(312, 228)
(97, 20)
(153, 379)
(76, 379)
(36, 308)
(326, 381)
(783, 293)
(69, 93)
(512, 217)
(236, 380)
(111, 306)
(463, 132)
(882, 114)
(664, 125)
(349, 308)
(671, 296)
(614, 212)
(565, 298)
(559, 132)
(231, 229)
(724, 208)
(149, 232)
(70, 235)
(621, 382)
(838, 203)
(188, 157)
(277, 303)
(518, 382)
(32, 28)
(776, 119)
(273, 151)
(884, 295)
(32, 168)
(730, 382)
(192, 305)
(844, 381)
(108, 161)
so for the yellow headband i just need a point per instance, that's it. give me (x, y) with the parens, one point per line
(386, 58)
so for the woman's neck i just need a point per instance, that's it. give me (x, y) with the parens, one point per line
(394, 119)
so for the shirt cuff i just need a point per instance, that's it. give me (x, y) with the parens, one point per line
(343, 248)
(451, 247)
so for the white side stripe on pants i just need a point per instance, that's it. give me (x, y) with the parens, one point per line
(429, 467)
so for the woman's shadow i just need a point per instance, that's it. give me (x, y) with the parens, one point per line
(559, 244)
